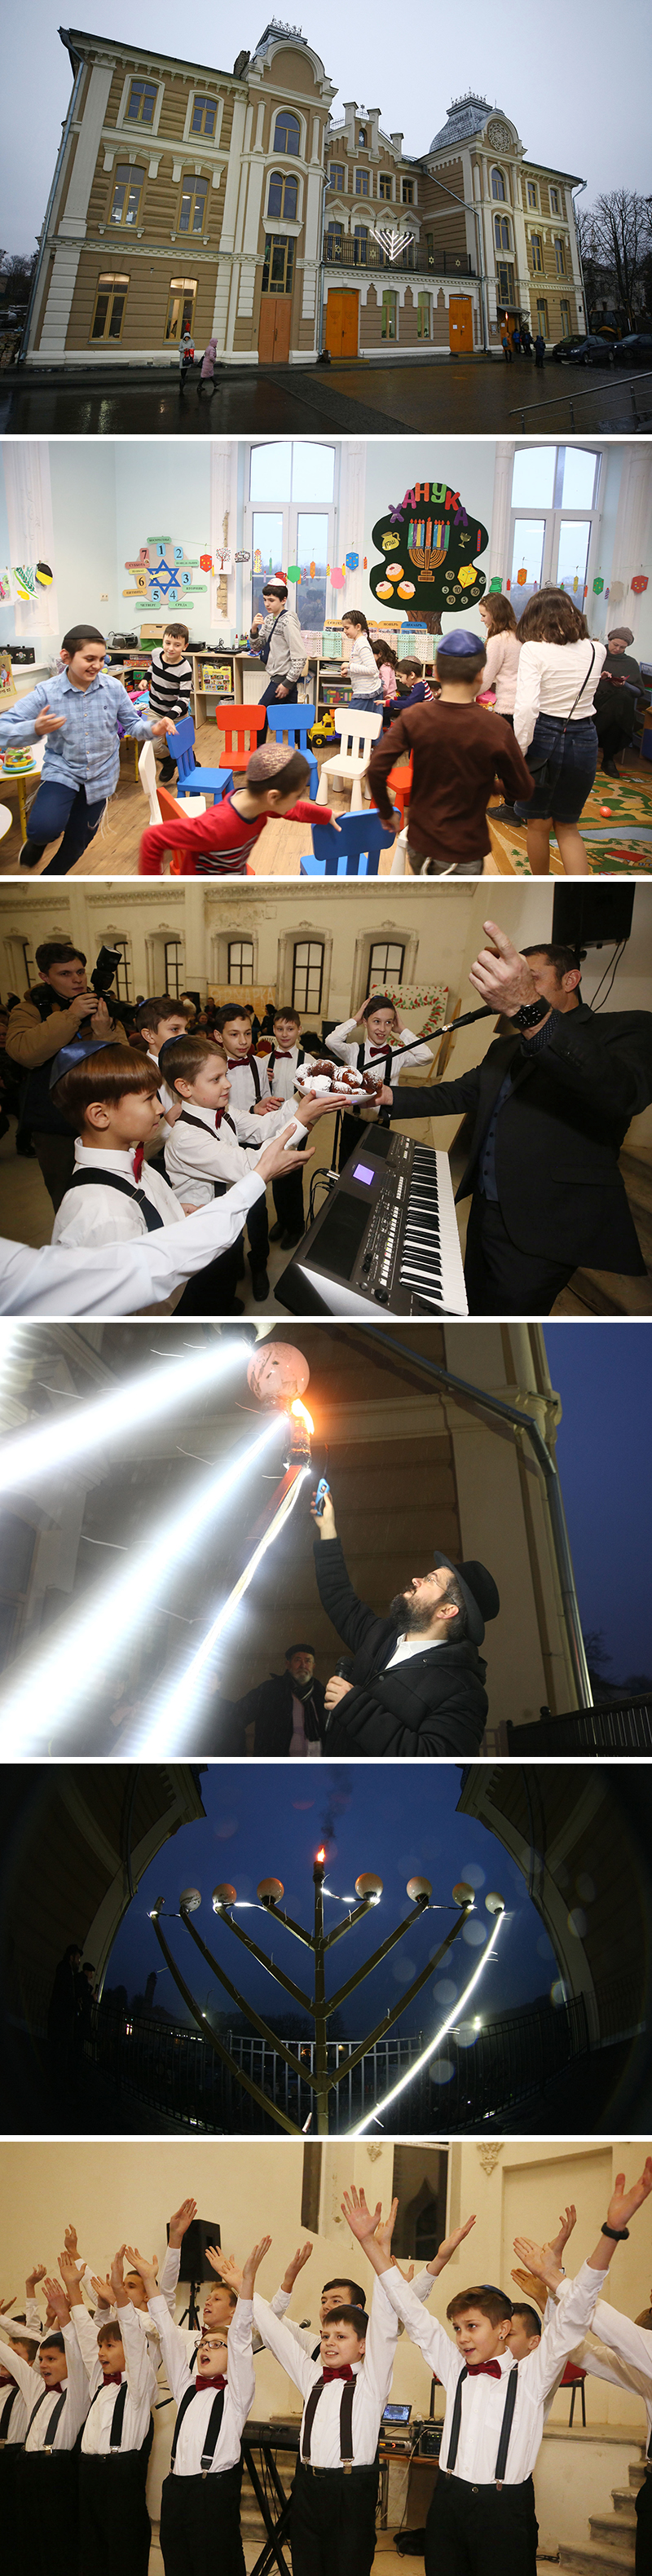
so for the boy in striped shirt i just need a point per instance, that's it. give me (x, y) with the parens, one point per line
(219, 842)
(169, 681)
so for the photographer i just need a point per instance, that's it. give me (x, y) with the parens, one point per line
(62, 1004)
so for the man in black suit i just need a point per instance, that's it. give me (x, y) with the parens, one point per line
(416, 1678)
(549, 1108)
(288, 1708)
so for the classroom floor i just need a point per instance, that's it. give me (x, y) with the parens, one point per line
(619, 844)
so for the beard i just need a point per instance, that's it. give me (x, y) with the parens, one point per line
(410, 1616)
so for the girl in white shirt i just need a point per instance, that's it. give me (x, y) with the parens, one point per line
(501, 669)
(362, 669)
(554, 726)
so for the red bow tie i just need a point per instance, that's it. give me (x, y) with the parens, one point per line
(380, 1051)
(213, 2379)
(139, 1153)
(112, 2378)
(282, 1055)
(484, 2370)
(234, 1061)
(345, 2372)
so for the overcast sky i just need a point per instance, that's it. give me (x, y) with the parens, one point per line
(575, 80)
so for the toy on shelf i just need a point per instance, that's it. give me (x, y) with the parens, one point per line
(17, 760)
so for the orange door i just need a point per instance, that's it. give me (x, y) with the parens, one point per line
(460, 323)
(274, 329)
(342, 323)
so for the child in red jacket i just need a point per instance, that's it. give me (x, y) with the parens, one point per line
(219, 842)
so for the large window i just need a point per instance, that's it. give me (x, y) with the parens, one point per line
(423, 318)
(407, 192)
(385, 186)
(388, 324)
(121, 977)
(362, 183)
(284, 469)
(336, 175)
(542, 317)
(110, 303)
(505, 281)
(535, 253)
(360, 245)
(560, 257)
(204, 115)
(307, 976)
(241, 961)
(385, 959)
(127, 194)
(554, 516)
(555, 208)
(181, 306)
(564, 316)
(498, 188)
(142, 102)
(192, 208)
(291, 520)
(532, 193)
(287, 134)
(283, 195)
(278, 264)
(502, 234)
(173, 955)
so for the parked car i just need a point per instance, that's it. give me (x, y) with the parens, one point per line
(594, 352)
(567, 348)
(635, 351)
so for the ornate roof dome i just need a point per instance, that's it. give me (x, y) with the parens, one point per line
(465, 116)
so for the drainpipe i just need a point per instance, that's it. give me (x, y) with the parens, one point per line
(46, 219)
(581, 184)
(558, 1526)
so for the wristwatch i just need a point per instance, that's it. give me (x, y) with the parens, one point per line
(531, 1013)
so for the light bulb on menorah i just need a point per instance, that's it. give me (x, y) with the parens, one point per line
(322, 2079)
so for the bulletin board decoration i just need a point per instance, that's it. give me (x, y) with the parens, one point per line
(20, 583)
(164, 572)
(428, 542)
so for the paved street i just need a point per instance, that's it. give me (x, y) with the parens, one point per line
(357, 397)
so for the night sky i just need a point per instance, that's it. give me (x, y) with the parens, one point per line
(268, 1820)
(603, 1373)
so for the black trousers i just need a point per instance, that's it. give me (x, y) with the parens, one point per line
(270, 698)
(643, 2509)
(114, 2525)
(288, 1201)
(481, 2531)
(258, 1232)
(200, 2525)
(211, 1291)
(501, 1280)
(47, 2485)
(8, 2502)
(333, 2522)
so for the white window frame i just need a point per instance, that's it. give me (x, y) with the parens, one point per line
(276, 152)
(208, 141)
(290, 512)
(497, 173)
(134, 125)
(554, 517)
(283, 170)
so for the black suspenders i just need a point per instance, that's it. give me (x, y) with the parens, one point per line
(508, 2418)
(219, 1187)
(54, 2418)
(113, 1181)
(212, 2430)
(118, 2416)
(346, 2421)
(5, 2417)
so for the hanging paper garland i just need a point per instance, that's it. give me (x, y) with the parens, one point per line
(313, 569)
(496, 582)
(640, 582)
(598, 584)
(45, 576)
(364, 563)
(294, 572)
(521, 577)
(243, 556)
(352, 562)
(337, 578)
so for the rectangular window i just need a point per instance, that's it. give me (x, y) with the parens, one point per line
(192, 209)
(388, 327)
(554, 201)
(29, 963)
(564, 316)
(204, 116)
(385, 186)
(173, 955)
(560, 259)
(385, 959)
(181, 306)
(505, 281)
(362, 183)
(535, 253)
(336, 175)
(531, 192)
(307, 976)
(266, 553)
(278, 265)
(407, 192)
(121, 977)
(142, 102)
(241, 961)
(110, 303)
(423, 318)
(127, 195)
(542, 317)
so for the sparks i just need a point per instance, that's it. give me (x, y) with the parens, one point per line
(301, 1414)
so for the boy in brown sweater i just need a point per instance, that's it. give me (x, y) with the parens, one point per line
(457, 748)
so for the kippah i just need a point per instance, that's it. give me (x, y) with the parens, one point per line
(265, 766)
(461, 641)
(74, 1054)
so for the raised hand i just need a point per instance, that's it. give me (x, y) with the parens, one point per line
(6, 2304)
(449, 2246)
(181, 2218)
(70, 2240)
(37, 2274)
(70, 2276)
(624, 2204)
(252, 2266)
(542, 2260)
(566, 2225)
(292, 2269)
(325, 1520)
(384, 2233)
(57, 2300)
(117, 2277)
(501, 976)
(146, 2265)
(226, 2268)
(103, 2289)
(360, 2219)
(532, 2288)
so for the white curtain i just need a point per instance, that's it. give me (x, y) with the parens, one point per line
(31, 532)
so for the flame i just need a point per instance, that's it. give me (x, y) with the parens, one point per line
(301, 1413)
(320, 1855)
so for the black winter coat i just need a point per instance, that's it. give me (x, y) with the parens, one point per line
(270, 1706)
(434, 1703)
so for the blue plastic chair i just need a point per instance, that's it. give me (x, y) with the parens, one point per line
(355, 850)
(194, 781)
(295, 721)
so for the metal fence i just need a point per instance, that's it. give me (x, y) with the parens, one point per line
(622, 1727)
(351, 250)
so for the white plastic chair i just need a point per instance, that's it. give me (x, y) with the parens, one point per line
(357, 729)
(147, 776)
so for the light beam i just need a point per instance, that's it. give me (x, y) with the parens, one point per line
(171, 1719)
(113, 1416)
(433, 2044)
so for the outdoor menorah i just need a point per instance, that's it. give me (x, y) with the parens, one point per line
(393, 238)
(322, 2079)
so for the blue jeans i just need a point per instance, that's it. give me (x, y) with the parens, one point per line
(56, 809)
(374, 705)
(564, 759)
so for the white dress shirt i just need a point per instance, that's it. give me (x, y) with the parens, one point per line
(99, 1215)
(243, 1095)
(625, 2366)
(483, 2399)
(373, 2380)
(282, 1082)
(121, 1278)
(167, 1100)
(195, 1162)
(139, 2375)
(74, 2390)
(16, 2426)
(406, 1646)
(549, 676)
(238, 2395)
(345, 1043)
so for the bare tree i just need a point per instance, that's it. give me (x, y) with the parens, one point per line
(615, 240)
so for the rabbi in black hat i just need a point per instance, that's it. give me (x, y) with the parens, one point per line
(416, 1682)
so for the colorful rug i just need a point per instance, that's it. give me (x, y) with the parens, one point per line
(616, 828)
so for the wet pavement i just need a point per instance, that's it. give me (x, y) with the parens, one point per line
(359, 398)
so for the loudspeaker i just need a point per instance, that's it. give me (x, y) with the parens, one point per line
(591, 916)
(193, 2265)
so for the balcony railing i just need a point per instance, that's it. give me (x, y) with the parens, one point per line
(345, 250)
(616, 1726)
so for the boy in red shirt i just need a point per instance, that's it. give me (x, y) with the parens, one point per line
(219, 842)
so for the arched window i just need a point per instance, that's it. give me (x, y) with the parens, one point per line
(502, 233)
(498, 188)
(283, 195)
(127, 193)
(287, 136)
(192, 210)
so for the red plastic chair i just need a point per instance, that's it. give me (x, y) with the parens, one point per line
(400, 783)
(240, 727)
(574, 2378)
(170, 808)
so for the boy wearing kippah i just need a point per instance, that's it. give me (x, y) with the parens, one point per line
(219, 843)
(457, 746)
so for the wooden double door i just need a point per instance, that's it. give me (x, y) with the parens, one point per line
(274, 330)
(342, 322)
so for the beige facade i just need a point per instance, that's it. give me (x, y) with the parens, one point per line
(229, 205)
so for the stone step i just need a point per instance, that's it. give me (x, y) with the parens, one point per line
(596, 2562)
(636, 2474)
(624, 2504)
(615, 2537)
